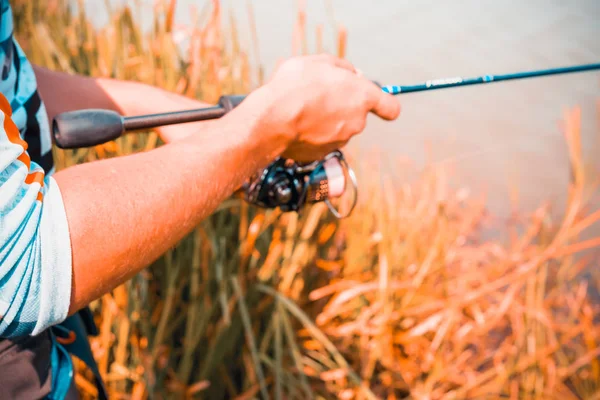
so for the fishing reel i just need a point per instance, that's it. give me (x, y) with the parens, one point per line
(289, 185)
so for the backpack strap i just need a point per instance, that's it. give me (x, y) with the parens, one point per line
(62, 369)
(73, 338)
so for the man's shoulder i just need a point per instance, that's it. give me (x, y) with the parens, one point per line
(19, 86)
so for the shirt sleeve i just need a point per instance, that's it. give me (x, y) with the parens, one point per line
(35, 247)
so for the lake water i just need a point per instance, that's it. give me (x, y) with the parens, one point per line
(497, 134)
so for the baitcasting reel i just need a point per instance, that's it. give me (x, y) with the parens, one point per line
(285, 183)
(289, 185)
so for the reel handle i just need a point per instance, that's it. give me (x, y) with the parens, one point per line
(91, 127)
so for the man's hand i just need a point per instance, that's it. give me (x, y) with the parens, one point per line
(322, 102)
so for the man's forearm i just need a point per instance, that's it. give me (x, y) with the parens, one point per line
(123, 213)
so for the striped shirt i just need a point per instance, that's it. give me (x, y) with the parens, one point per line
(35, 252)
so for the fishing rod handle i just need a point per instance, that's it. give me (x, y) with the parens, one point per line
(92, 127)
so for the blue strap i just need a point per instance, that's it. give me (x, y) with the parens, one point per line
(62, 369)
(74, 328)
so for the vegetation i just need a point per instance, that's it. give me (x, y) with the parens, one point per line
(402, 300)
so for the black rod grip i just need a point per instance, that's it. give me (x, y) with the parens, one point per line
(91, 127)
(86, 128)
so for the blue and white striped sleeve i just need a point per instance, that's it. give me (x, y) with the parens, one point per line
(35, 250)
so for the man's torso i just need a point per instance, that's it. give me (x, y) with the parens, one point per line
(24, 362)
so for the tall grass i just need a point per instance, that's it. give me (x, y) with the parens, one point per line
(402, 300)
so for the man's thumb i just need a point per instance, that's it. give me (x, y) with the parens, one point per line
(387, 106)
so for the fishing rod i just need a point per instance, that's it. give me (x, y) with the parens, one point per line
(285, 183)
(460, 81)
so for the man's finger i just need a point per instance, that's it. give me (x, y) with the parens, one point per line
(338, 62)
(383, 104)
(343, 63)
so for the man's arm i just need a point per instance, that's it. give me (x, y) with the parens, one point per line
(66, 92)
(68, 239)
(93, 226)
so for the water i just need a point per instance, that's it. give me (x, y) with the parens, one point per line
(500, 134)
